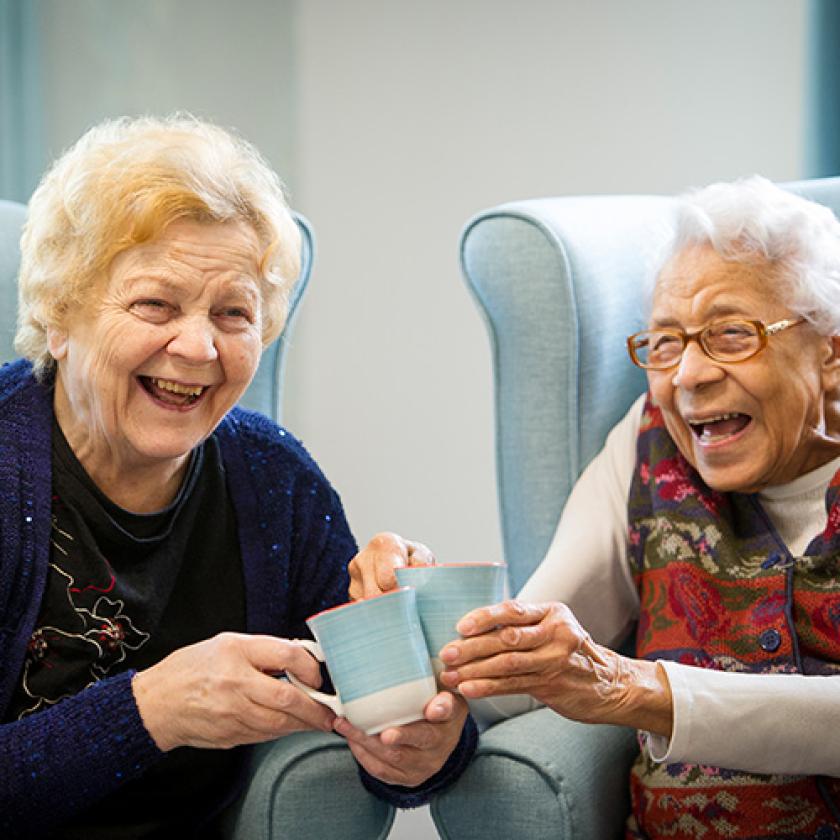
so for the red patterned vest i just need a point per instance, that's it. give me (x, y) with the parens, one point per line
(719, 589)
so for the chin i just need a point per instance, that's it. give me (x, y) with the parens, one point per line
(719, 481)
(167, 450)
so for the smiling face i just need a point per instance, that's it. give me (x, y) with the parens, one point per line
(746, 425)
(162, 351)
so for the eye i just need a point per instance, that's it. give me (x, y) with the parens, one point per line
(235, 317)
(155, 310)
(663, 340)
(735, 330)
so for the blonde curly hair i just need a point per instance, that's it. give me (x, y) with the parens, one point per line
(120, 185)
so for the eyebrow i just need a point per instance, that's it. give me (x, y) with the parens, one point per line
(236, 285)
(719, 310)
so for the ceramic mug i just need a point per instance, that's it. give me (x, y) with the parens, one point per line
(447, 592)
(376, 655)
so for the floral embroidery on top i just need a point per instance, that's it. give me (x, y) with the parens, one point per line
(74, 644)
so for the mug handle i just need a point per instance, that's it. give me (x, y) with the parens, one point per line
(331, 701)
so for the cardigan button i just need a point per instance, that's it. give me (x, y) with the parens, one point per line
(772, 560)
(826, 832)
(770, 640)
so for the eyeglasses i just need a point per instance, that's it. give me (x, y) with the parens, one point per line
(725, 341)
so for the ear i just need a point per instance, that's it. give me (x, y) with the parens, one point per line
(831, 363)
(57, 340)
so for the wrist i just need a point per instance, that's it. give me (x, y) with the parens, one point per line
(648, 703)
(154, 718)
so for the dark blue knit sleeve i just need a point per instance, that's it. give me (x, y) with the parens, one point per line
(58, 762)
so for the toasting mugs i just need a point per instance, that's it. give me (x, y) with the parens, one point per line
(381, 652)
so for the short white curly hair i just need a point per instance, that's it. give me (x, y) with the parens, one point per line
(754, 220)
(120, 185)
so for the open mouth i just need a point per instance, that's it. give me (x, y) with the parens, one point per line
(720, 427)
(172, 393)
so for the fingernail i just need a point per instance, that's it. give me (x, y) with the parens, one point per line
(450, 677)
(449, 653)
(341, 726)
(466, 626)
(438, 708)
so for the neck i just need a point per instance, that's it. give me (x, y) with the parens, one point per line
(135, 484)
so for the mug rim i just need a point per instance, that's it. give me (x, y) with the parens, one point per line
(360, 601)
(479, 564)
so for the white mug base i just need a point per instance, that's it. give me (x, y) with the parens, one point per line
(392, 706)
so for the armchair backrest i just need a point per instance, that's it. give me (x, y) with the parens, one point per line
(264, 392)
(558, 281)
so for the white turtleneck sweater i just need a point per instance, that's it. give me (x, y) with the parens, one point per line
(764, 723)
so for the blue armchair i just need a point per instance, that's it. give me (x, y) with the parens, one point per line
(557, 281)
(285, 796)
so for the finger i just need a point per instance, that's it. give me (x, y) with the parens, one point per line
(272, 723)
(419, 554)
(496, 667)
(520, 684)
(385, 578)
(387, 752)
(508, 612)
(528, 637)
(419, 736)
(387, 551)
(283, 698)
(440, 708)
(375, 765)
(273, 655)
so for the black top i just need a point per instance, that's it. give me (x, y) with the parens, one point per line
(123, 591)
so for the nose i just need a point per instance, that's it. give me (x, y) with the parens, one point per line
(194, 340)
(696, 369)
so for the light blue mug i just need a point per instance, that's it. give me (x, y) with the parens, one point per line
(377, 658)
(447, 592)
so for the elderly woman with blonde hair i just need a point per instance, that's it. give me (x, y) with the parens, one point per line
(160, 545)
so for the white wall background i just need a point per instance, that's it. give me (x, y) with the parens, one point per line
(395, 120)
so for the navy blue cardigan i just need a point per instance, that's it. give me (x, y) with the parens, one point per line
(295, 545)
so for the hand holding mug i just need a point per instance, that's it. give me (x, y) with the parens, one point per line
(409, 754)
(372, 569)
(220, 693)
(542, 650)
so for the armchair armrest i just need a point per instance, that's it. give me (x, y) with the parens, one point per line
(539, 776)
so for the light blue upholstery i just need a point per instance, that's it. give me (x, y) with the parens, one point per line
(558, 281)
(305, 786)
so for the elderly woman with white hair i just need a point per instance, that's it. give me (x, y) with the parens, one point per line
(711, 520)
(160, 545)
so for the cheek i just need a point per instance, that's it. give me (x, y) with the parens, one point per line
(241, 359)
(661, 389)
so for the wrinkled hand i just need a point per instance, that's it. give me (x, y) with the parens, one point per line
(542, 650)
(219, 693)
(372, 569)
(408, 755)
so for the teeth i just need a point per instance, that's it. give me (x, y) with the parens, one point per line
(177, 388)
(714, 419)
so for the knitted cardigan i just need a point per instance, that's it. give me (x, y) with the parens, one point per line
(719, 589)
(295, 546)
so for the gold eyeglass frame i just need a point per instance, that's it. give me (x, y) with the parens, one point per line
(764, 332)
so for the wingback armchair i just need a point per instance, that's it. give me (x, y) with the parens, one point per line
(305, 785)
(558, 282)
